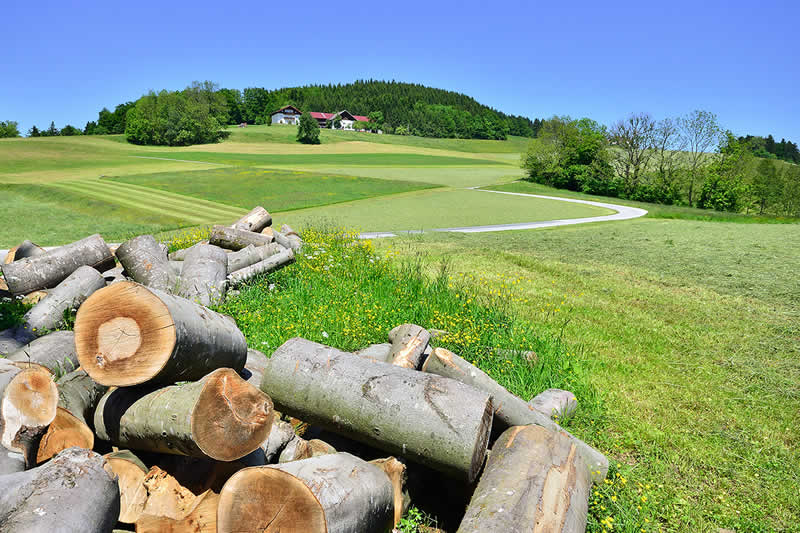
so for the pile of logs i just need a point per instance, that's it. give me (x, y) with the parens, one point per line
(154, 415)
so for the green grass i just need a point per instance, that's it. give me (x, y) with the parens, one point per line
(445, 176)
(288, 135)
(52, 215)
(441, 209)
(280, 190)
(355, 159)
(653, 210)
(689, 332)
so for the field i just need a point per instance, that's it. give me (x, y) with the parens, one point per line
(679, 331)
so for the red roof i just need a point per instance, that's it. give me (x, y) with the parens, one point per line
(361, 118)
(326, 116)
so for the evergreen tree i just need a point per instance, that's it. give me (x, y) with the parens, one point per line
(34, 132)
(308, 132)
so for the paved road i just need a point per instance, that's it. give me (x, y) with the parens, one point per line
(622, 213)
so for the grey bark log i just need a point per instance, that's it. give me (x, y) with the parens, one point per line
(12, 339)
(533, 481)
(270, 264)
(236, 239)
(555, 403)
(23, 250)
(279, 436)
(74, 492)
(221, 417)
(510, 410)
(255, 220)
(203, 276)
(145, 262)
(353, 495)
(114, 274)
(296, 449)
(78, 393)
(251, 255)
(409, 342)
(49, 269)
(127, 334)
(376, 352)
(254, 367)
(176, 266)
(11, 462)
(294, 238)
(439, 422)
(180, 255)
(48, 314)
(55, 351)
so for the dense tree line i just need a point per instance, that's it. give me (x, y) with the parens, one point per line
(767, 148)
(688, 160)
(9, 128)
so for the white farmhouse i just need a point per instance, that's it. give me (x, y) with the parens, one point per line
(286, 115)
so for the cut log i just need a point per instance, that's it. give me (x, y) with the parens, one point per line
(270, 264)
(294, 238)
(201, 518)
(555, 403)
(533, 481)
(49, 269)
(23, 250)
(146, 262)
(221, 416)
(4, 292)
(279, 436)
(202, 474)
(251, 255)
(130, 471)
(165, 496)
(55, 351)
(114, 274)
(331, 493)
(12, 339)
(176, 266)
(11, 462)
(510, 410)
(439, 422)
(256, 220)
(376, 352)
(127, 334)
(76, 492)
(33, 298)
(236, 239)
(282, 239)
(268, 231)
(78, 393)
(203, 276)
(254, 367)
(320, 447)
(295, 450)
(28, 401)
(409, 342)
(180, 255)
(396, 472)
(65, 431)
(67, 296)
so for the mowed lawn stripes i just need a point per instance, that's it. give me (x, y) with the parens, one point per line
(189, 209)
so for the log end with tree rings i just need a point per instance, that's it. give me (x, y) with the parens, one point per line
(64, 432)
(230, 415)
(124, 335)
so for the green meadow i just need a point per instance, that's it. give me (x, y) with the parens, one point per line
(678, 331)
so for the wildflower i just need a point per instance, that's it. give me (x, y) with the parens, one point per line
(325, 334)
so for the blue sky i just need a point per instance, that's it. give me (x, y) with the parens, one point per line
(64, 61)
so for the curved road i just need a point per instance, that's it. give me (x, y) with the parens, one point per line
(623, 212)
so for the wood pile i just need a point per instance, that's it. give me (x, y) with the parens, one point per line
(154, 415)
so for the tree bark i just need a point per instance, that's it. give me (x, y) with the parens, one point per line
(127, 334)
(180, 255)
(376, 352)
(555, 403)
(510, 410)
(336, 493)
(55, 351)
(78, 393)
(409, 342)
(28, 401)
(165, 496)
(221, 416)
(396, 472)
(533, 481)
(201, 518)
(12, 339)
(293, 236)
(65, 431)
(23, 250)
(48, 314)
(254, 367)
(296, 449)
(49, 269)
(146, 263)
(236, 239)
(270, 264)
(130, 473)
(251, 255)
(441, 423)
(279, 436)
(73, 493)
(114, 274)
(203, 276)
(255, 221)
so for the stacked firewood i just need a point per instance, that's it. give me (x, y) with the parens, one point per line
(153, 413)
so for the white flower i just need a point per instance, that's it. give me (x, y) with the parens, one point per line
(272, 286)
(325, 334)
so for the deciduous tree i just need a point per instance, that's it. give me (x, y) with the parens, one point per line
(699, 133)
(308, 132)
(9, 128)
(634, 138)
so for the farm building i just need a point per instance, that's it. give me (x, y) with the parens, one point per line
(291, 115)
(286, 115)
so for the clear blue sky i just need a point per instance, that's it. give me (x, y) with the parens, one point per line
(597, 59)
